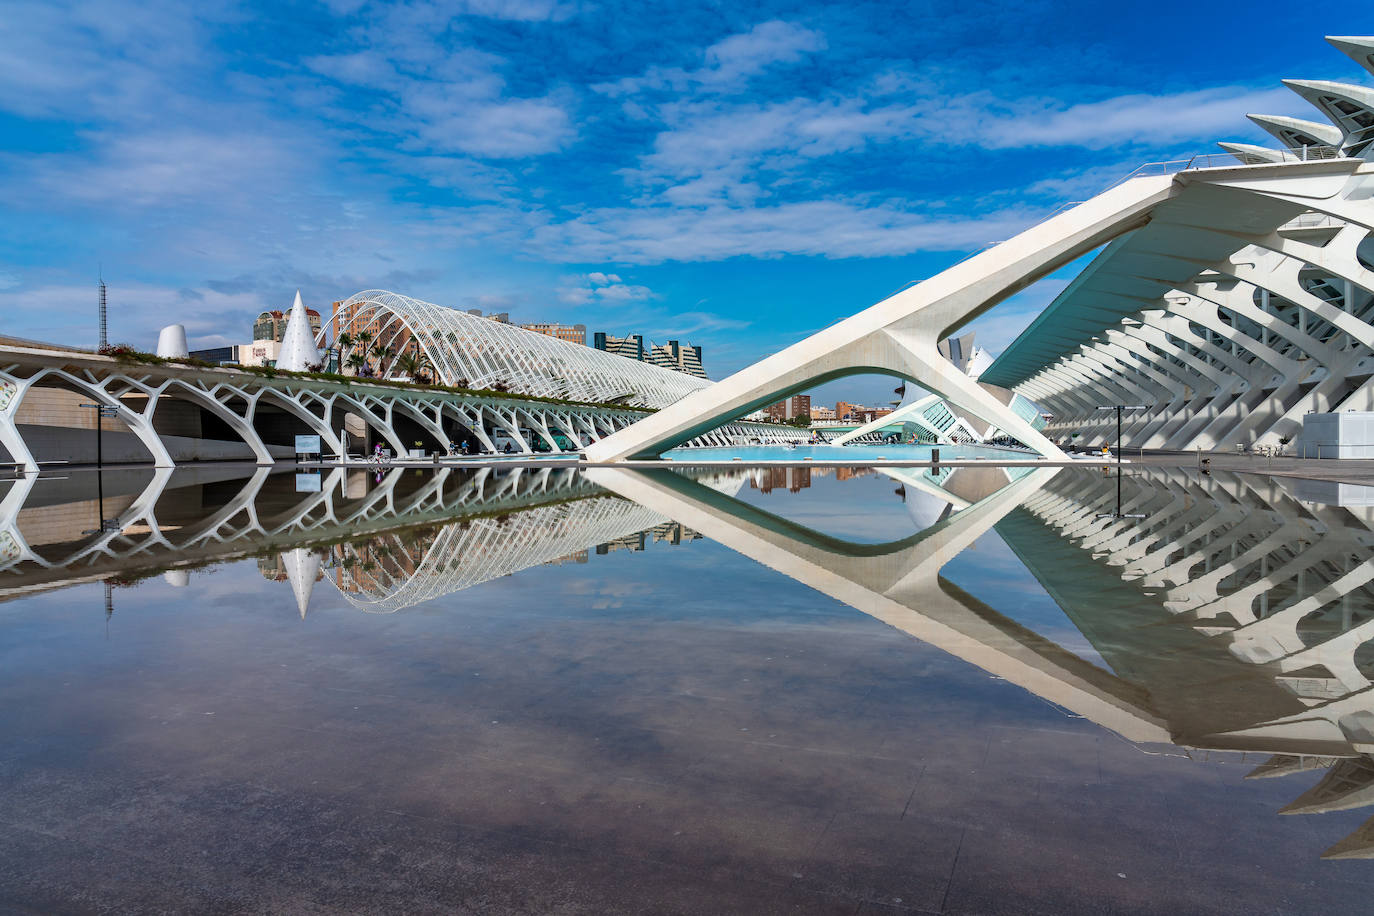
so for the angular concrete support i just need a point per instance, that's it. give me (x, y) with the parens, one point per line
(898, 336)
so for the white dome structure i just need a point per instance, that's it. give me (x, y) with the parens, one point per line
(171, 342)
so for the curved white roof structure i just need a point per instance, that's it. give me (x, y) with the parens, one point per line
(1295, 133)
(469, 351)
(460, 556)
(1359, 49)
(1350, 108)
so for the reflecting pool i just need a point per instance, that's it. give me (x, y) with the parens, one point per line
(867, 451)
(701, 690)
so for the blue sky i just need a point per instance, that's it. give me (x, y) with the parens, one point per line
(736, 175)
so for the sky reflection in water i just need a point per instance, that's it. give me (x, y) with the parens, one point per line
(686, 728)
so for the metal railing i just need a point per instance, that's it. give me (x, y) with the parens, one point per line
(1313, 221)
(1173, 167)
(1229, 161)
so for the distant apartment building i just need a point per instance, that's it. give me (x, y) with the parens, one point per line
(271, 325)
(630, 346)
(268, 329)
(799, 405)
(572, 333)
(766, 480)
(673, 355)
(848, 412)
(821, 414)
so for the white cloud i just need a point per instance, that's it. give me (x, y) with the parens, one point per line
(730, 63)
(522, 10)
(1203, 114)
(443, 98)
(474, 180)
(360, 68)
(65, 313)
(712, 151)
(597, 288)
(513, 128)
(166, 168)
(837, 229)
(75, 59)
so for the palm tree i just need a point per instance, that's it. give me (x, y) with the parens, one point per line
(342, 344)
(423, 367)
(384, 356)
(364, 340)
(356, 361)
(408, 364)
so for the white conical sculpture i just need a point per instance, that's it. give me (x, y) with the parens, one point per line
(302, 566)
(298, 350)
(177, 578)
(171, 342)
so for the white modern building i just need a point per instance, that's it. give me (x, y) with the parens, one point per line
(1232, 297)
(1224, 331)
(468, 351)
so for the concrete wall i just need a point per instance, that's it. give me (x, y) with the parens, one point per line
(60, 443)
(60, 407)
(1349, 434)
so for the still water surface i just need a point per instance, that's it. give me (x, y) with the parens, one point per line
(747, 690)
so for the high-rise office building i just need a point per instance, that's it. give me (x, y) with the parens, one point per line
(271, 325)
(673, 355)
(679, 358)
(630, 346)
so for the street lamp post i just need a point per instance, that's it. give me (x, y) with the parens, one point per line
(1119, 408)
(101, 411)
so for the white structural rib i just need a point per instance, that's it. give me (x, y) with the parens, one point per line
(899, 335)
(1351, 108)
(1253, 155)
(1228, 323)
(470, 351)
(1295, 133)
(1360, 49)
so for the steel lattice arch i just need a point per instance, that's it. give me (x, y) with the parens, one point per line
(469, 351)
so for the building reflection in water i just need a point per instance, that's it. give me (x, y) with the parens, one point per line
(1235, 614)
(386, 545)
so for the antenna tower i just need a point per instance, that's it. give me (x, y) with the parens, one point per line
(104, 337)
